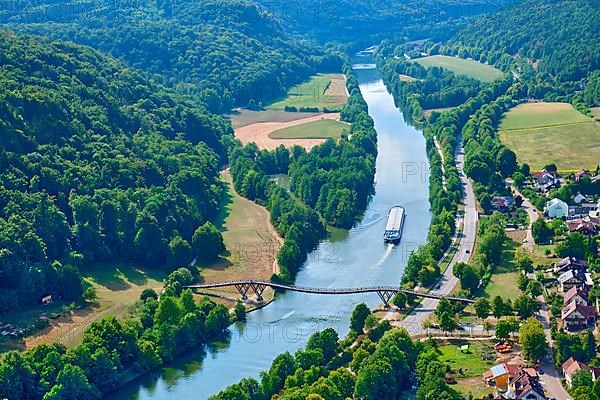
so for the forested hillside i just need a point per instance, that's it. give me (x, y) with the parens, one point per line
(96, 164)
(356, 25)
(226, 51)
(560, 43)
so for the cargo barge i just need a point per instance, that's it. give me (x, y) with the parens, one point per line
(395, 223)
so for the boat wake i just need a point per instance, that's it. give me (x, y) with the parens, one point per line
(384, 256)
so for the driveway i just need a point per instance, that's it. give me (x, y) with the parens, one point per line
(533, 216)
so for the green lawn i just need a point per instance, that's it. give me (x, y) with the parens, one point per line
(459, 66)
(321, 91)
(543, 133)
(320, 129)
(504, 279)
(472, 361)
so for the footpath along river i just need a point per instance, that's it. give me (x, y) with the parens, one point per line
(359, 259)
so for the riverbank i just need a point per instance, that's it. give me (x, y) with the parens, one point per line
(359, 259)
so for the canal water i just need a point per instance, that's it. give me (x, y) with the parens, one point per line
(360, 258)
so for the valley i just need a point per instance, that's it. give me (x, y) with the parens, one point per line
(200, 199)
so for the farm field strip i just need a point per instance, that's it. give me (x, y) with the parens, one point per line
(320, 91)
(459, 66)
(320, 129)
(542, 133)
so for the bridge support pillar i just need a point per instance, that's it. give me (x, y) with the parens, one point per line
(385, 296)
(258, 289)
(242, 288)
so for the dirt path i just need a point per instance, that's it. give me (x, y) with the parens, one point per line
(259, 133)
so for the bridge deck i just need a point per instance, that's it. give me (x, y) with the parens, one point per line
(304, 289)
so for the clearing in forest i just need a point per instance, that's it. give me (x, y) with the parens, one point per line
(251, 242)
(544, 133)
(260, 133)
(460, 66)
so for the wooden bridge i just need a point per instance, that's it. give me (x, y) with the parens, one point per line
(385, 293)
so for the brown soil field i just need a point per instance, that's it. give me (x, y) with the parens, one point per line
(259, 133)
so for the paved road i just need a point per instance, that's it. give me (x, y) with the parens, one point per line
(413, 322)
(551, 377)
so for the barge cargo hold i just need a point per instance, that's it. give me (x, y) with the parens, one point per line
(395, 223)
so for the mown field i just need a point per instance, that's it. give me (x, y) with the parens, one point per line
(459, 66)
(251, 242)
(321, 129)
(543, 133)
(321, 91)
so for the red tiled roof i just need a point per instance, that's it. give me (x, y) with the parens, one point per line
(574, 291)
(571, 366)
(585, 311)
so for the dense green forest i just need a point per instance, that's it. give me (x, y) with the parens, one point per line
(336, 179)
(554, 51)
(226, 52)
(97, 164)
(113, 351)
(384, 363)
(355, 25)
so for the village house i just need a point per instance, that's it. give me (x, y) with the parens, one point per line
(576, 317)
(579, 198)
(595, 373)
(574, 278)
(587, 226)
(556, 208)
(593, 209)
(569, 263)
(577, 295)
(583, 210)
(500, 374)
(570, 368)
(502, 203)
(524, 386)
(580, 174)
(546, 180)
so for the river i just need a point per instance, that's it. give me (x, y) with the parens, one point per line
(359, 259)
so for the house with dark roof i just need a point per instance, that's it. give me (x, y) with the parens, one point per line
(546, 180)
(525, 387)
(575, 278)
(502, 203)
(576, 317)
(569, 263)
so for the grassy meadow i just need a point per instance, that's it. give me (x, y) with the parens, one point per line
(320, 91)
(321, 129)
(543, 133)
(459, 66)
